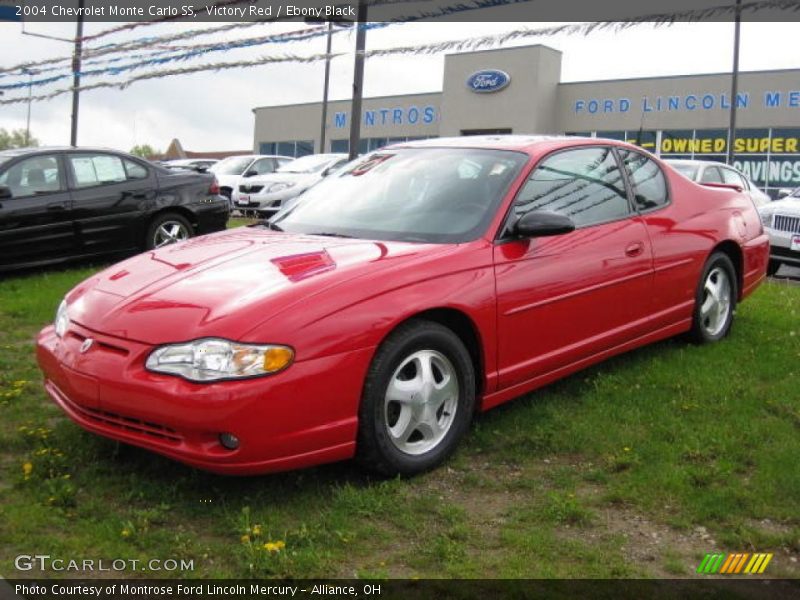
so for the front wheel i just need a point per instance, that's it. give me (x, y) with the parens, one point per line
(715, 300)
(418, 400)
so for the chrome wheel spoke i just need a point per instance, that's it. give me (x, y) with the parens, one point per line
(716, 306)
(169, 233)
(420, 402)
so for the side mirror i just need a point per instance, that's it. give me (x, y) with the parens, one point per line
(539, 223)
(5, 192)
(250, 173)
(783, 192)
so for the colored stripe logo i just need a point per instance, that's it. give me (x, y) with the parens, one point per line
(734, 564)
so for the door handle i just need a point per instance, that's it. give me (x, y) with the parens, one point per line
(634, 249)
(56, 206)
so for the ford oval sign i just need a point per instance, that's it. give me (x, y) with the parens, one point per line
(488, 80)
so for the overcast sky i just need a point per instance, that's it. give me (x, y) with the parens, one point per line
(213, 111)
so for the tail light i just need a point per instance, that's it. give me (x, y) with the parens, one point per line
(214, 187)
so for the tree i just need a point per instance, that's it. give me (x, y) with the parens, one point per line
(144, 150)
(15, 139)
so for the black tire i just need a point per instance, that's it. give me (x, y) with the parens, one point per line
(150, 241)
(773, 267)
(375, 448)
(702, 332)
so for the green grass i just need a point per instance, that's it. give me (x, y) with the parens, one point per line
(609, 473)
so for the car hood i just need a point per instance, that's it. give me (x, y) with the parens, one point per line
(279, 178)
(225, 284)
(784, 205)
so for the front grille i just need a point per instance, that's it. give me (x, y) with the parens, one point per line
(123, 423)
(786, 223)
(251, 189)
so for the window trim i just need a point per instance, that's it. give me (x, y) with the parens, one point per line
(631, 193)
(62, 175)
(503, 235)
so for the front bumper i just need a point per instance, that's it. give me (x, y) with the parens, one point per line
(780, 246)
(303, 416)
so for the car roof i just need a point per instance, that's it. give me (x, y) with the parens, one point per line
(514, 142)
(696, 162)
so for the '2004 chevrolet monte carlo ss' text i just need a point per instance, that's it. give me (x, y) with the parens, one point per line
(413, 287)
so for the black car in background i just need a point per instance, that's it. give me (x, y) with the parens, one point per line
(63, 203)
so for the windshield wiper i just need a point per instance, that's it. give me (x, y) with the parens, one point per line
(270, 225)
(331, 234)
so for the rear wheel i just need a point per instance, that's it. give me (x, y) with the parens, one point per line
(418, 400)
(773, 267)
(715, 300)
(167, 228)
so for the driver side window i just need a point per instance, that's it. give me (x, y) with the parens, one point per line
(33, 176)
(584, 184)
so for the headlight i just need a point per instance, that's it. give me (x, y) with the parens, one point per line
(213, 359)
(62, 319)
(277, 187)
(766, 219)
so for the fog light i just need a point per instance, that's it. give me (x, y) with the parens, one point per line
(230, 441)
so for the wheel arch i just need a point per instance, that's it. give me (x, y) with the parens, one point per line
(460, 323)
(180, 210)
(733, 251)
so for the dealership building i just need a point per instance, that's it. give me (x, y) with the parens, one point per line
(519, 90)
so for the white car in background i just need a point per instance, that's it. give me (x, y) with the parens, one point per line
(781, 221)
(200, 165)
(710, 171)
(230, 170)
(266, 194)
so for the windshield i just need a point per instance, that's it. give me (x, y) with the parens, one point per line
(685, 169)
(308, 164)
(234, 165)
(439, 195)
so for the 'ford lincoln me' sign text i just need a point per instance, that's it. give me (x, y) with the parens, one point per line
(488, 80)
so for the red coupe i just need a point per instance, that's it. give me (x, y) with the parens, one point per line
(412, 288)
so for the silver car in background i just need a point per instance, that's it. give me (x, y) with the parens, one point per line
(230, 170)
(267, 194)
(781, 221)
(713, 172)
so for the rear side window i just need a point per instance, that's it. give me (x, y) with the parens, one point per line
(97, 169)
(647, 180)
(135, 170)
(711, 175)
(731, 176)
(584, 184)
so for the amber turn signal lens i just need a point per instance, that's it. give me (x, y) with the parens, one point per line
(277, 358)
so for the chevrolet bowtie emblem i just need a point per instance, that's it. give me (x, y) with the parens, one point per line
(87, 343)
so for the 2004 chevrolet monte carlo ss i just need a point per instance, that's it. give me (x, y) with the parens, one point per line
(418, 285)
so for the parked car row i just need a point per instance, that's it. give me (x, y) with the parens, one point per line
(405, 292)
(231, 171)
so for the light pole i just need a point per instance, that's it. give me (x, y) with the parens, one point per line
(326, 84)
(358, 79)
(734, 82)
(76, 76)
(30, 73)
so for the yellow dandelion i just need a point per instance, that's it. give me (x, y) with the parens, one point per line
(66, 476)
(256, 529)
(245, 539)
(19, 383)
(626, 449)
(125, 532)
(27, 468)
(275, 546)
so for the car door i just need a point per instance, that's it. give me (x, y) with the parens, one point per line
(111, 196)
(35, 219)
(565, 298)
